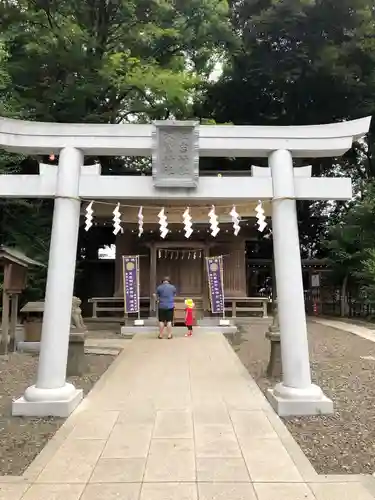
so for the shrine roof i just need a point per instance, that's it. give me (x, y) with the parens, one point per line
(12, 255)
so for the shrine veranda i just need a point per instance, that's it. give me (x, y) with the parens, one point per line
(175, 148)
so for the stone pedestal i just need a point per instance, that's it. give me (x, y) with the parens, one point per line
(20, 333)
(289, 401)
(46, 402)
(76, 354)
(274, 368)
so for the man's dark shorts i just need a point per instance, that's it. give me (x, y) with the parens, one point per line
(166, 315)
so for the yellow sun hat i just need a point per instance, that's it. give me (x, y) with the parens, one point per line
(189, 303)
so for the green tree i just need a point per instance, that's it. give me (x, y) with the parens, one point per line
(111, 61)
(368, 272)
(298, 62)
(301, 62)
(23, 224)
(350, 244)
(101, 62)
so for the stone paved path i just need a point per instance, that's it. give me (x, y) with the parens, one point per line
(176, 420)
(347, 326)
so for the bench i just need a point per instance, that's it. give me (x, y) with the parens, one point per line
(246, 304)
(179, 309)
(232, 304)
(116, 305)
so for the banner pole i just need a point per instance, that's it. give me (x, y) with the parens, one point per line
(124, 285)
(138, 288)
(209, 281)
(222, 283)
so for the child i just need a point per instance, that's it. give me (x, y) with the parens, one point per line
(189, 316)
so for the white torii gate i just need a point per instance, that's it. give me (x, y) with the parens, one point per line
(71, 181)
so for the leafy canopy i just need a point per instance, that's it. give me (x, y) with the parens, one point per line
(106, 61)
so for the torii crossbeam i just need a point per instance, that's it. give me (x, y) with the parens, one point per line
(93, 186)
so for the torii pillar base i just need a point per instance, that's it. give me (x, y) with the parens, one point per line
(47, 402)
(287, 401)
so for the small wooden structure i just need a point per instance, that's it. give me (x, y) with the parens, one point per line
(15, 265)
(32, 319)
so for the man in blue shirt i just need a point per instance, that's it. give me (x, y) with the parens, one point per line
(166, 293)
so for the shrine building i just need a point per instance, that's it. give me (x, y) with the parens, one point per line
(181, 259)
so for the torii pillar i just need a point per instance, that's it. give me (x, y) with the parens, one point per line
(296, 394)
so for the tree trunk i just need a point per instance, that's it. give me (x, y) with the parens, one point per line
(344, 309)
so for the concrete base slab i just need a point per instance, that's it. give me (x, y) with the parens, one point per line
(299, 407)
(102, 351)
(151, 322)
(178, 331)
(224, 322)
(214, 322)
(24, 346)
(23, 408)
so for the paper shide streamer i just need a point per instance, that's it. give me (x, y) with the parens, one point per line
(89, 216)
(261, 219)
(214, 223)
(187, 219)
(116, 220)
(235, 220)
(163, 224)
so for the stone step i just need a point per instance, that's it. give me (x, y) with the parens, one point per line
(178, 331)
(212, 322)
(102, 351)
(111, 324)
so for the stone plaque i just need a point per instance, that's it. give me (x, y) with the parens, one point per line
(315, 280)
(175, 157)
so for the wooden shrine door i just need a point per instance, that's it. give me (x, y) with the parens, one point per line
(184, 264)
(185, 268)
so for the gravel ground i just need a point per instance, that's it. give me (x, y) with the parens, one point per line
(343, 443)
(21, 439)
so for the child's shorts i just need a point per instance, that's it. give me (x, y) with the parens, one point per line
(190, 327)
